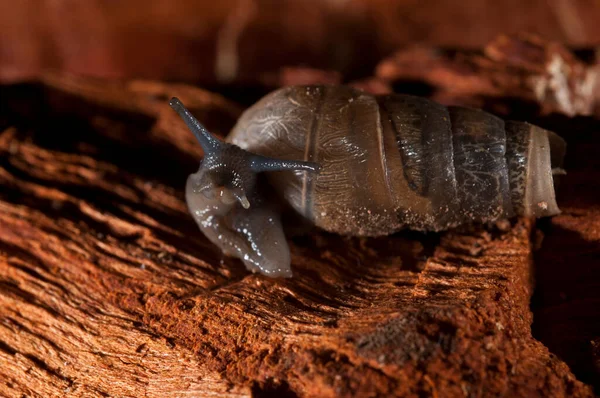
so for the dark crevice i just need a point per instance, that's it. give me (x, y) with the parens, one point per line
(65, 128)
(566, 310)
(271, 389)
(413, 87)
(566, 300)
(7, 349)
(11, 289)
(44, 366)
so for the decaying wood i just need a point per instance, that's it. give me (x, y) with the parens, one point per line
(59, 338)
(108, 288)
(521, 68)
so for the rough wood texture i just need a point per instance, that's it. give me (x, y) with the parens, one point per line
(107, 285)
(240, 40)
(521, 69)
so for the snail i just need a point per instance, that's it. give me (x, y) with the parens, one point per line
(363, 165)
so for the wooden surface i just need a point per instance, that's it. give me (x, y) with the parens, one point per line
(107, 288)
(511, 74)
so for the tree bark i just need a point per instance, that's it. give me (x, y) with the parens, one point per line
(520, 74)
(107, 288)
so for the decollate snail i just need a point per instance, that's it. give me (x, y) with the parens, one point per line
(358, 164)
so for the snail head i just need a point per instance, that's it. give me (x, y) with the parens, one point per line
(227, 172)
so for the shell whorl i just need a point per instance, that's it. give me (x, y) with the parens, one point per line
(394, 161)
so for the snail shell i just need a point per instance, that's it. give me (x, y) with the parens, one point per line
(398, 161)
(386, 163)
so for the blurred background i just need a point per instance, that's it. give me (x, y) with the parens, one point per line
(247, 41)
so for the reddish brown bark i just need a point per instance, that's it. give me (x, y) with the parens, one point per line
(106, 284)
(511, 72)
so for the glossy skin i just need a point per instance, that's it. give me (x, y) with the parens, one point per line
(223, 199)
(387, 163)
(253, 234)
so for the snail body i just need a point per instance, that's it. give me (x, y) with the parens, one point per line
(363, 165)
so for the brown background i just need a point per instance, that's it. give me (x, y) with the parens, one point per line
(193, 40)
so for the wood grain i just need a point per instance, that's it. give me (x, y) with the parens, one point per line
(107, 288)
